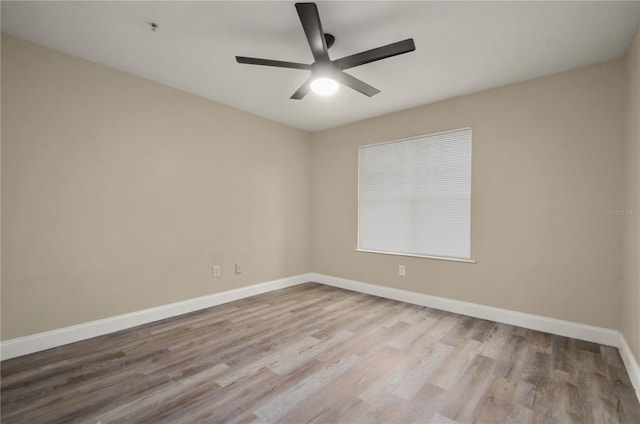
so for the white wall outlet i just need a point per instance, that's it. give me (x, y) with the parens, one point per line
(238, 268)
(215, 271)
(402, 271)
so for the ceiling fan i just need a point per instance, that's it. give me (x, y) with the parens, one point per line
(327, 73)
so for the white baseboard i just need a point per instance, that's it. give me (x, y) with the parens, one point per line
(54, 338)
(589, 333)
(37, 342)
(559, 327)
(633, 369)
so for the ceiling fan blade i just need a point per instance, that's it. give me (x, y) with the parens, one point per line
(302, 91)
(310, 20)
(393, 49)
(269, 62)
(353, 82)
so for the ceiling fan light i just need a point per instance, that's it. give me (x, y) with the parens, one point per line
(324, 86)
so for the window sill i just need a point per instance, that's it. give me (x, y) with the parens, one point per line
(440, 258)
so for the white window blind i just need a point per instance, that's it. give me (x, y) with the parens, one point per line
(415, 196)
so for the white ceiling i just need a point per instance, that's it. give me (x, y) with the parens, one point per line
(461, 47)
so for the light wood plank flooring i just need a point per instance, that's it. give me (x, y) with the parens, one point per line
(314, 353)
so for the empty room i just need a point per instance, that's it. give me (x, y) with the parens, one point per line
(329, 212)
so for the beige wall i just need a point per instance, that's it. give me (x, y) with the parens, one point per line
(630, 324)
(119, 194)
(546, 164)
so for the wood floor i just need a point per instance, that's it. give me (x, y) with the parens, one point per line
(314, 353)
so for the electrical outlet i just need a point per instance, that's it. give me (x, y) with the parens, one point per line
(215, 271)
(238, 268)
(402, 271)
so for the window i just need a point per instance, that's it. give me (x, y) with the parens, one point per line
(415, 196)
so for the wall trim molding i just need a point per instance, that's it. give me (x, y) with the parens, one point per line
(590, 333)
(633, 369)
(559, 327)
(62, 336)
